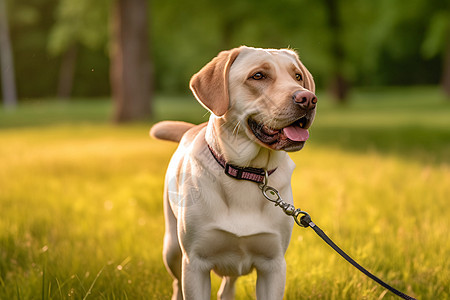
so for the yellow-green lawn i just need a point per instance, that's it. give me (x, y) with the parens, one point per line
(81, 200)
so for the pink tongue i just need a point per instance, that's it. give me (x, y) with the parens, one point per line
(296, 133)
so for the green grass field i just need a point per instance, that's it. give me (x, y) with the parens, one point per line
(81, 200)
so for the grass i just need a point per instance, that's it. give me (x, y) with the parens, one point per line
(81, 200)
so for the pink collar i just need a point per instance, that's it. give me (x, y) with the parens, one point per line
(246, 173)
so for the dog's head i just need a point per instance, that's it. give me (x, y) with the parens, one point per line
(268, 91)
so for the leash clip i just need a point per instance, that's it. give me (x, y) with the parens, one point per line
(272, 194)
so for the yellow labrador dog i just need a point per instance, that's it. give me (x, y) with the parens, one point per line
(262, 103)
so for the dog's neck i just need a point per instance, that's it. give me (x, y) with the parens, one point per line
(230, 140)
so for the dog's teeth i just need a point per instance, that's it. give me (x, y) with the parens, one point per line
(301, 124)
(269, 130)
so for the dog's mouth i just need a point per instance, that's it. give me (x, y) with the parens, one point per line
(289, 138)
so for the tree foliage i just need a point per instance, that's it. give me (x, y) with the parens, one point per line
(81, 21)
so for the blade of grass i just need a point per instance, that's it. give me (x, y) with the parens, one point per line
(93, 283)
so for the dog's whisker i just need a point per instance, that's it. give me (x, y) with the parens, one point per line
(236, 128)
(224, 124)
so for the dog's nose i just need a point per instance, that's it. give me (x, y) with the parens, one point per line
(305, 99)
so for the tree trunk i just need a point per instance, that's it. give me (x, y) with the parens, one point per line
(66, 73)
(7, 61)
(130, 71)
(446, 70)
(339, 85)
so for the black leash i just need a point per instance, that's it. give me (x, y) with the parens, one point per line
(273, 195)
(305, 220)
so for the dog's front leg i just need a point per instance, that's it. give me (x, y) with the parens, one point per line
(196, 280)
(271, 280)
(227, 288)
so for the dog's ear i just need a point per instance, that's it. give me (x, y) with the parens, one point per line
(309, 81)
(210, 84)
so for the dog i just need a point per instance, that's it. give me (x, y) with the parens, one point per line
(262, 103)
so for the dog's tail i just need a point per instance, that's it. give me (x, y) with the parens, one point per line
(170, 130)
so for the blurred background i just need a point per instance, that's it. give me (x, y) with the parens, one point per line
(135, 49)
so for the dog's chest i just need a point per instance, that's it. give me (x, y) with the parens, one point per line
(245, 232)
(232, 255)
(243, 211)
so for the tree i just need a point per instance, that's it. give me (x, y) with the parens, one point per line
(130, 71)
(67, 72)
(446, 72)
(437, 41)
(405, 34)
(339, 84)
(7, 62)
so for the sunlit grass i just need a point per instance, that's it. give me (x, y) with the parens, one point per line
(81, 203)
(77, 200)
(390, 214)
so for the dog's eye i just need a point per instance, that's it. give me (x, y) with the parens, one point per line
(258, 76)
(298, 77)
